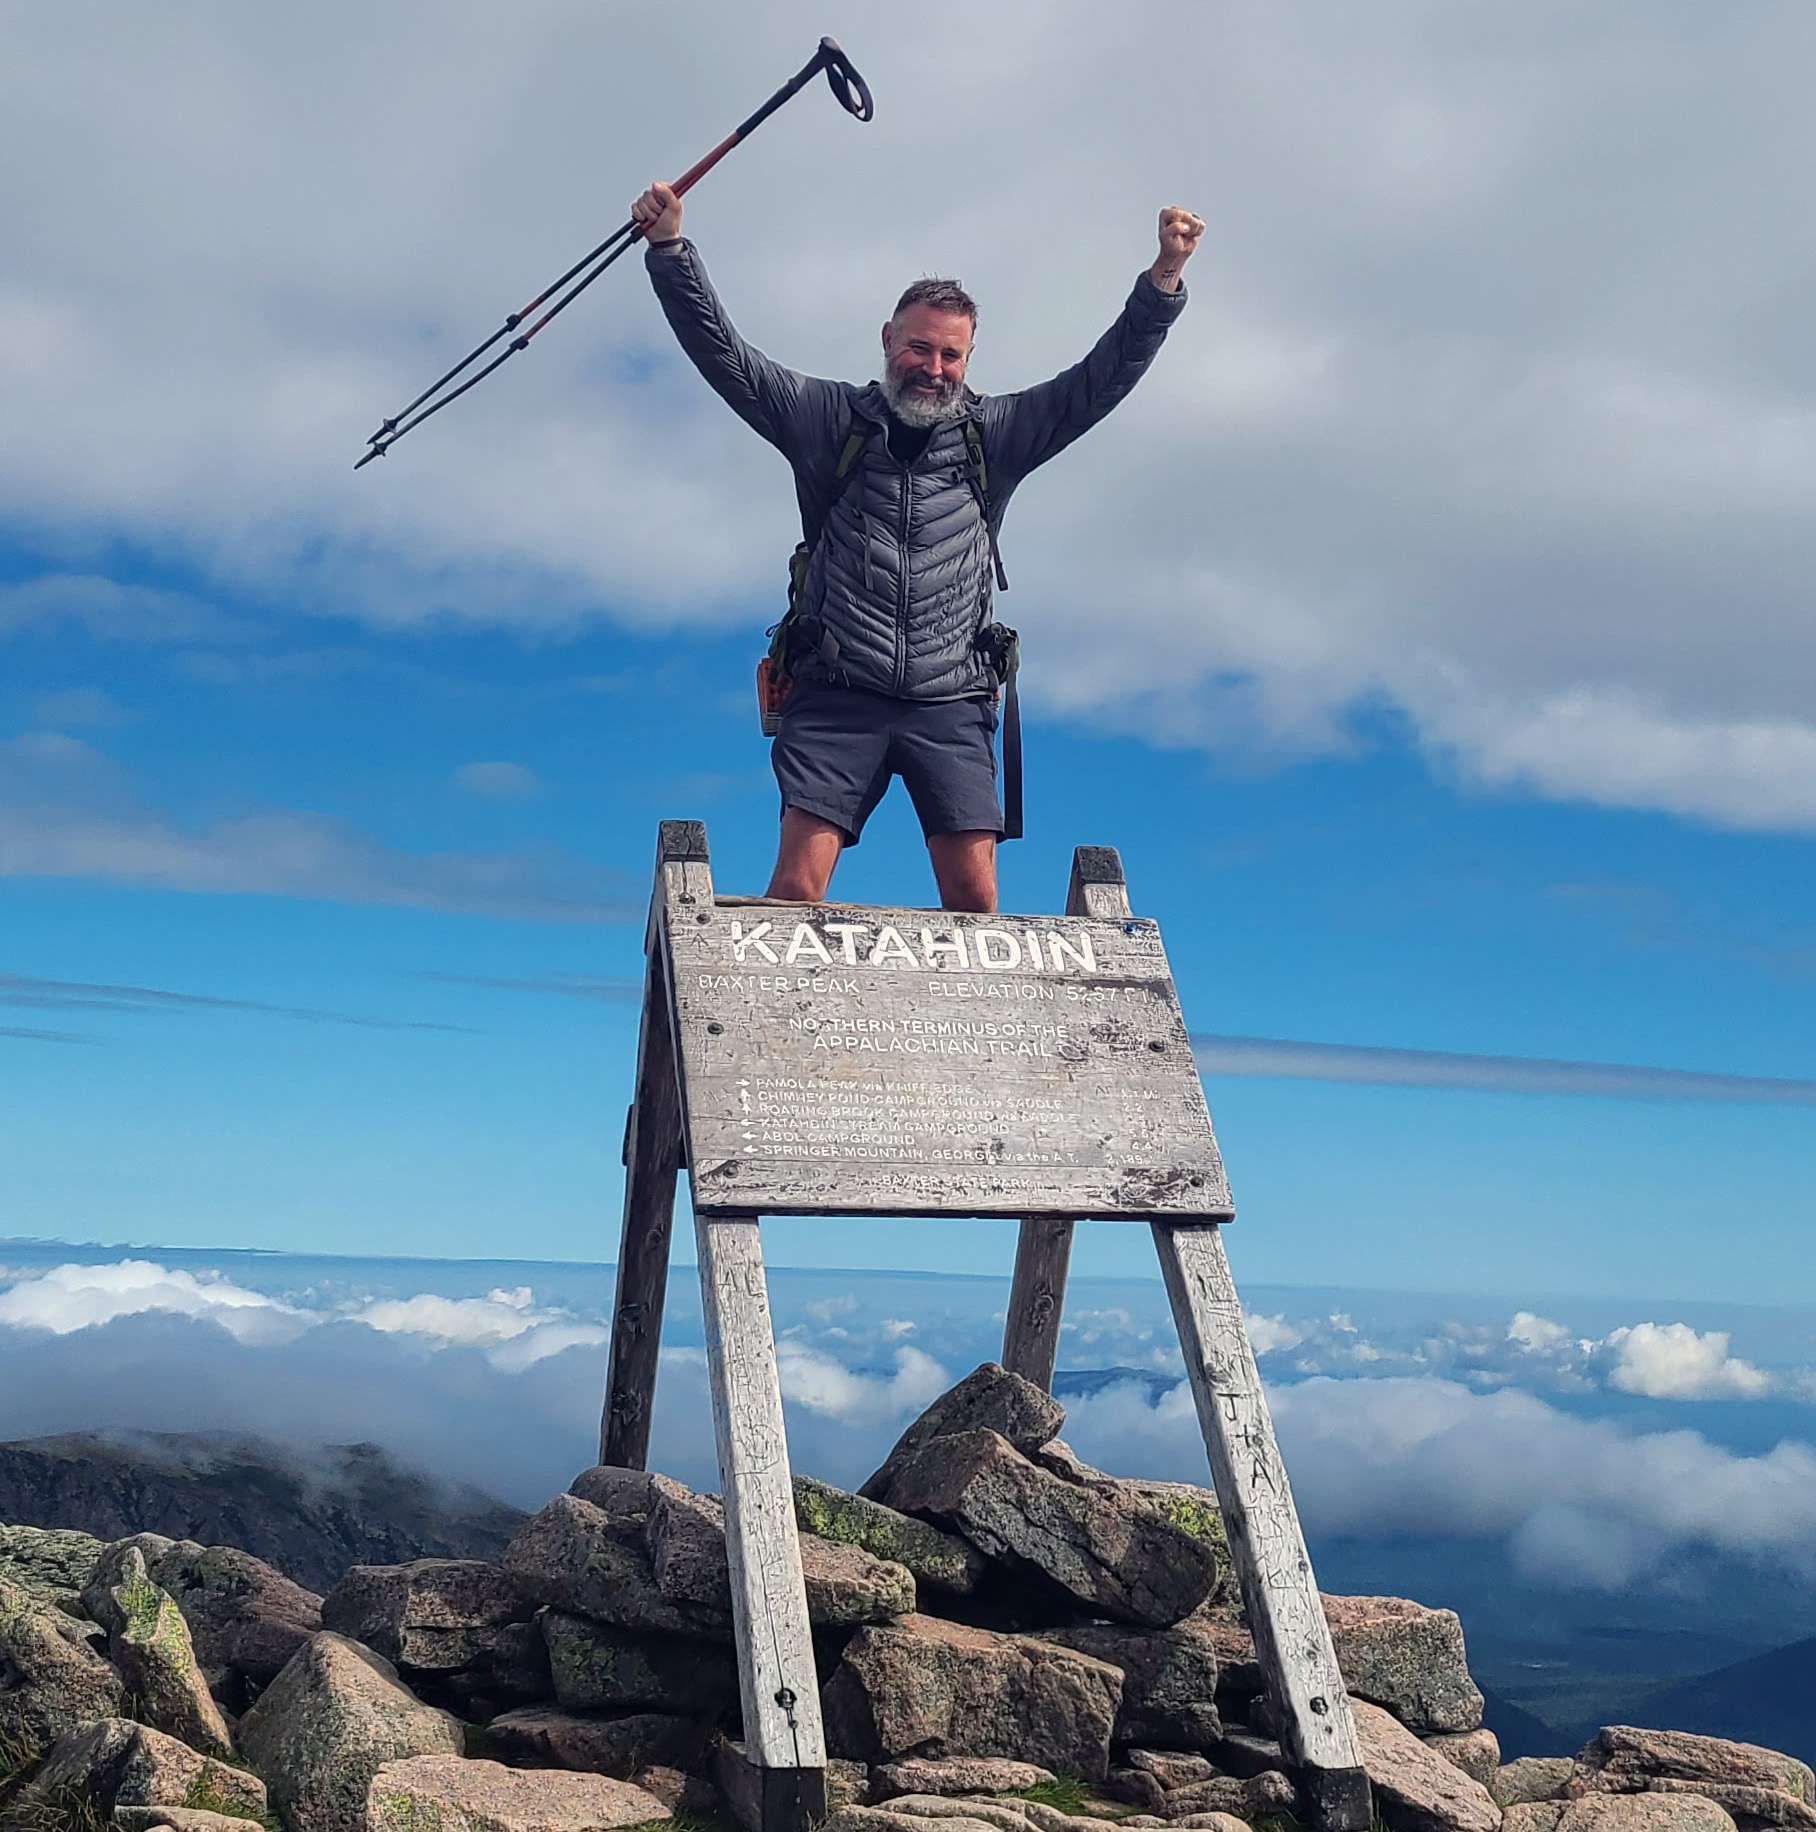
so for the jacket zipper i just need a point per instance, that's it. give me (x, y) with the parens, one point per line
(901, 613)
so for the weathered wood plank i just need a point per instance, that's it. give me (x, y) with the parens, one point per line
(848, 1060)
(776, 1678)
(1037, 1297)
(1097, 888)
(652, 1156)
(1279, 1592)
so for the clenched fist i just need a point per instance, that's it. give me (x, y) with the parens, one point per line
(1179, 233)
(658, 212)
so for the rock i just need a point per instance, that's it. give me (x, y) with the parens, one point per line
(1251, 1798)
(956, 1775)
(1169, 1680)
(1641, 1813)
(932, 1688)
(916, 1809)
(884, 1819)
(1533, 1815)
(1397, 1654)
(1531, 1778)
(1415, 1789)
(540, 1736)
(987, 1399)
(149, 1646)
(115, 1763)
(1476, 1752)
(1407, 1659)
(50, 1564)
(1241, 1753)
(941, 1561)
(684, 1534)
(1116, 1555)
(1212, 1822)
(625, 1494)
(451, 1794)
(682, 1793)
(434, 1614)
(1190, 1506)
(1170, 1767)
(572, 1557)
(51, 1680)
(325, 1726)
(245, 1617)
(180, 1819)
(845, 1584)
(596, 1665)
(1743, 1777)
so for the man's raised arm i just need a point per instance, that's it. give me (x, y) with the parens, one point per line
(779, 403)
(1026, 429)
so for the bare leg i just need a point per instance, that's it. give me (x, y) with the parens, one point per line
(964, 867)
(809, 850)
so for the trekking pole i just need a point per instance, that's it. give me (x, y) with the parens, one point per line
(853, 95)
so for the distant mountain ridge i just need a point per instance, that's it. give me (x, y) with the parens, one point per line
(1769, 1698)
(311, 1515)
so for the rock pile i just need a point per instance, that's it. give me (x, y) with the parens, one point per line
(999, 1628)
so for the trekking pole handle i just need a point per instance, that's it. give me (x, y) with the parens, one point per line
(842, 77)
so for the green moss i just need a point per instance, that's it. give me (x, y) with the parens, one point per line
(210, 1793)
(1066, 1793)
(407, 1813)
(1199, 1516)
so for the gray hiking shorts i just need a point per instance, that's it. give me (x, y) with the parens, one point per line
(839, 747)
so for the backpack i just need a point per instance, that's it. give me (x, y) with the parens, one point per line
(1000, 646)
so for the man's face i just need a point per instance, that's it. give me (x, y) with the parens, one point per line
(924, 357)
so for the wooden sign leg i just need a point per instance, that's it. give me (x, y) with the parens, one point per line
(1043, 1251)
(776, 1678)
(1043, 1254)
(652, 1157)
(1279, 1593)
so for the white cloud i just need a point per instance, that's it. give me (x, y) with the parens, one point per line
(1672, 1361)
(66, 812)
(498, 781)
(817, 1383)
(1578, 1501)
(1535, 1334)
(76, 1297)
(506, 1324)
(1489, 410)
(1272, 1335)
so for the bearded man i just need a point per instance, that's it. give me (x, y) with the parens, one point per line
(894, 669)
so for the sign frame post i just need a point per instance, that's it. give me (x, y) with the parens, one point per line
(1146, 1154)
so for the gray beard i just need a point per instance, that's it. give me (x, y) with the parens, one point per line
(917, 410)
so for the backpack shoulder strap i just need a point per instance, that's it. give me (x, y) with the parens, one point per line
(977, 470)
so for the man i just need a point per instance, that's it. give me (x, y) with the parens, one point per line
(894, 671)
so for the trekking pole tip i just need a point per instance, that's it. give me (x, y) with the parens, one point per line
(377, 451)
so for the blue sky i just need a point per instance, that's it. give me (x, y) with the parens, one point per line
(1429, 630)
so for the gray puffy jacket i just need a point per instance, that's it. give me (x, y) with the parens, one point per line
(899, 584)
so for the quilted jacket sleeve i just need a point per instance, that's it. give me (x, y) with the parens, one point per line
(794, 412)
(1022, 431)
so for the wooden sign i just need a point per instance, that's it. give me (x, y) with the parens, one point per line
(855, 1060)
(829, 1059)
